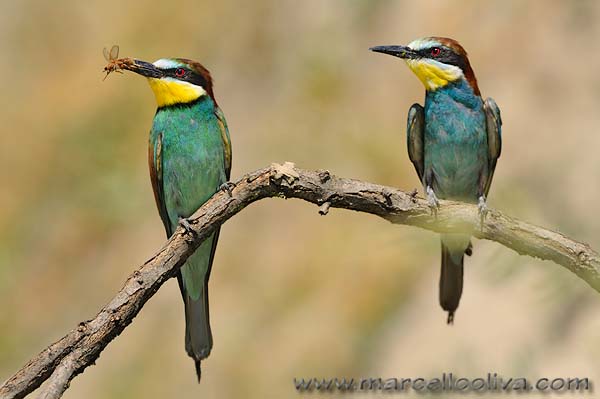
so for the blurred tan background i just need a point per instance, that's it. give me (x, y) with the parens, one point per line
(293, 294)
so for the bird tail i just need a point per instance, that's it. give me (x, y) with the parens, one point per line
(198, 336)
(451, 277)
(193, 282)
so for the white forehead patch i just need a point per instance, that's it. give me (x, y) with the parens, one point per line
(420, 44)
(165, 63)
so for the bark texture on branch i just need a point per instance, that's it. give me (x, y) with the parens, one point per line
(62, 361)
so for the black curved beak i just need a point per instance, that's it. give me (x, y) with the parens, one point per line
(144, 68)
(397, 51)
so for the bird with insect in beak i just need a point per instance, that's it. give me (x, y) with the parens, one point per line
(189, 156)
(454, 142)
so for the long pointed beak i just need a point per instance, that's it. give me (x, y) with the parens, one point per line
(397, 51)
(144, 68)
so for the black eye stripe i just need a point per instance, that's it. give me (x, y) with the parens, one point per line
(172, 72)
(446, 56)
(190, 76)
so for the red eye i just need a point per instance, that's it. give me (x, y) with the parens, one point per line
(435, 51)
(179, 72)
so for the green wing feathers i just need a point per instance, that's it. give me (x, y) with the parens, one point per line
(494, 137)
(414, 135)
(226, 141)
(155, 167)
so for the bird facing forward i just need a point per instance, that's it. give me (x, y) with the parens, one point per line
(454, 142)
(189, 156)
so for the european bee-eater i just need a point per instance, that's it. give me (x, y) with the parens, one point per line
(190, 160)
(454, 142)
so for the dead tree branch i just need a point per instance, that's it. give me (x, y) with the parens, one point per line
(62, 361)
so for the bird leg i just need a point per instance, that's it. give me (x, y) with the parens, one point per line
(432, 200)
(483, 209)
(227, 187)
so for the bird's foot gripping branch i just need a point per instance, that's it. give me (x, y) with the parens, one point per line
(59, 363)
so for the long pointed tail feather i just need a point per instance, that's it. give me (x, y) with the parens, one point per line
(198, 370)
(198, 336)
(194, 289)
(451, 280)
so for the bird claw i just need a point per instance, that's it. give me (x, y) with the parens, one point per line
(185, 223)
(432, 200)
(227, 187)
(483, 209)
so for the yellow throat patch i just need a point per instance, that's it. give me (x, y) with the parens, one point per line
(170, 91)
(434, 74)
